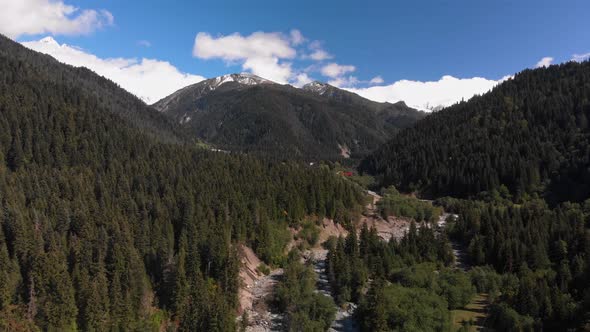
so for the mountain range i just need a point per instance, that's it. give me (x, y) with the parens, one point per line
(244, 112)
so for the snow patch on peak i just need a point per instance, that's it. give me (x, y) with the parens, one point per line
(241, 78)
(49, 40)
(203, 88)
(316, 87)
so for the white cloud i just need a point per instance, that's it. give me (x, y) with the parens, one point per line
(317, 52)
(302, 79)
(320, 55)
(545, 62)
(237, 47)
(334, 70)
(315, 45)
(581, 57)
(269, 68)
(260, 52)
(297, 37)
(149, 79)
(376, 80)
(344, 81)
(337, 74)
(429, 95)
(30, 17)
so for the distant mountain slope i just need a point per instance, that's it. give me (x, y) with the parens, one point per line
(398, 115)
(334, 93)
(530, 134)
(108, 95)
(244, 112)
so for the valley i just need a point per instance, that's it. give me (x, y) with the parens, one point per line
(269, 200)
(258, 288)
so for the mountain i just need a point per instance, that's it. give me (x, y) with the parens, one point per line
(104, 93)
(530, 134)
(243, 112)
(398, 114)
(110, 222)
(201, 89)
(334, 93)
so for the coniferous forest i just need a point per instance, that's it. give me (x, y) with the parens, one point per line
(108, 225)
(530, 134)
(517, 159)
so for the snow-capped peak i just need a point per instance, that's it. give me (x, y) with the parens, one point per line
(49, 40)
(316, 87)
(203, 88)
(242, 78)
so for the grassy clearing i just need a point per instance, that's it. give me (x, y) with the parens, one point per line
(474, 311)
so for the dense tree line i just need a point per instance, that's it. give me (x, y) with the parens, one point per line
(104, 225)
(531, 134)
(543, 254)
(395, 283)
(20, 63)
(521, 153)
(391, 307)
(305, 309)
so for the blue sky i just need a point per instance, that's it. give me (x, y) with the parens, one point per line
(394, 40)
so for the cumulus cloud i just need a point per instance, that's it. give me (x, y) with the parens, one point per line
(581, 57)
(545, 62)
(302, 79)
(261, 52)
(30, 17)
(317, 52)
(337, 74)
(344, 81)
(429, 95)
(320, 55)
(376, 80)
(334, 70)
(272, 55)
(149, 79)
(237, 47)
(278, 57)
(269, 68)
(297, 37)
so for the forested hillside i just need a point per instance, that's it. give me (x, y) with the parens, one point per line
(285, 122)
(521, 155)
(43, 71)
(534, 261)
(530, 134)
(106, 225)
